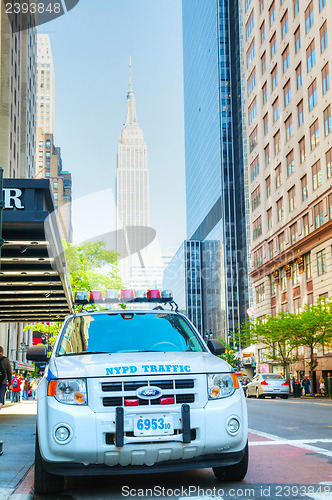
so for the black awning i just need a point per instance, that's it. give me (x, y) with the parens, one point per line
(34, 282)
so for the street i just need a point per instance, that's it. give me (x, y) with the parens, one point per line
(290, 457)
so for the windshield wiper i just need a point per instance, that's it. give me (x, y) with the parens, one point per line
(84, 352)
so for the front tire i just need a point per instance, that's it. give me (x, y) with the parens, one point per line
(45, 483)
(236, 472)
(257, 393)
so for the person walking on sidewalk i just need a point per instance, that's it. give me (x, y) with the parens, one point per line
(16, 388)
(26, 389)
(34, 385)
(5, 376)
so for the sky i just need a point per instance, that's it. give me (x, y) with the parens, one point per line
(91, 46)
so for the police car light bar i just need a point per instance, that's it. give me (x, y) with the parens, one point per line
(126, 295)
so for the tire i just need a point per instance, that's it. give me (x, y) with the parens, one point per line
(285, 396)
(257, 393)
(45, 483)
(273, 397)
(236, 472)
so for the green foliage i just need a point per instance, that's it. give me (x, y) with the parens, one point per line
(229, 354)
(92, 267)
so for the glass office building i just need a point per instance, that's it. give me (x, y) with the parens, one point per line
(216, 173)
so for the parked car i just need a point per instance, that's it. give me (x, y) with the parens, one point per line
(243, 380)
(268, 384)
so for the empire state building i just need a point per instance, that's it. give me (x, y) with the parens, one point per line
(132, 178)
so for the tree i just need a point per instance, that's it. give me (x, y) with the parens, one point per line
(92, 267)
(315, 329)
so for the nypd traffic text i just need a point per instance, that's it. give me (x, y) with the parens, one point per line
(125, 370)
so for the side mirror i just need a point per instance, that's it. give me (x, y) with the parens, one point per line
(216, 347)
(37, 353)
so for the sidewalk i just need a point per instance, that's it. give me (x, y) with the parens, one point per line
(17, 431)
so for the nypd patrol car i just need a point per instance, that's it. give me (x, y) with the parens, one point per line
(136, 391)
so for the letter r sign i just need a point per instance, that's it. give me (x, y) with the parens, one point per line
(12, 198)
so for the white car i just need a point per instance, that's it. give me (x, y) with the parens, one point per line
(268, 384)
(132, 392)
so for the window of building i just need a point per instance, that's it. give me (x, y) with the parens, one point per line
(325, 78)
(307, 260)
(283, 281)
(269, 218)
(257, 228)
(314, 135)
(264, 93)
(268, 186)
(275, 109)
(300, 113)
(255, 198)
(248, 2)
(48, 143)
(258, 258)
(302, 150)
(305, 220)
(261, 6)
(254, 168)
(55, 196)
(252, 110)
(41, 154)
(318, 215)
(273, 44)
(323, 37)
(281, 242)
(271, 251)
(322, 4)
(250, 24)
(48, 155)
(276, 143)
(252, 81)
(285, 59)
(250, 53)
(299, 76)
(267, 154)
(311, 56)
(296, 7)
(280, 209)
(55, 185)
(316, 175)
(292, 233)
(328, 160)
(327, 120)
(263, 62)
(287, 93)
(309, 16)
(284, 24)
(321, 262)
(274, 77)
(330, 206)
(290, 163)
(253, 139)
(41, 144)
(260, 293)
(273, 287)
(266, 123)
(304, 187)
(291, 199)
(297, 37)
(289, 127)
(272, 12)
(262, 31)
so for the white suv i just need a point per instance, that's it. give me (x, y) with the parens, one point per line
(136, 391)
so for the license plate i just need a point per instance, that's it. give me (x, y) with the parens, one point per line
(153, 425)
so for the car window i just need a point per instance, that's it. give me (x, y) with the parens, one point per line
(271, 376)
(128, 332)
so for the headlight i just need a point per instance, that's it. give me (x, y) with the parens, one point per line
(222, 385)
(69, 391)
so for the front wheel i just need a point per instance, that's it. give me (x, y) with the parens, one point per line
(234, 472)
(285, 396)
(45, 483)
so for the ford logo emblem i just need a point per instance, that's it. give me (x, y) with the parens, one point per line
(149, 392)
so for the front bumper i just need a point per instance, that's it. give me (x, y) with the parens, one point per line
(95, 446)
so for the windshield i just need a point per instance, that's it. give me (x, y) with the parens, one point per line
(128, 332)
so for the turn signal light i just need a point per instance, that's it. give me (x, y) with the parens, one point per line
(167, 401)
(131, 402)
(52, 385)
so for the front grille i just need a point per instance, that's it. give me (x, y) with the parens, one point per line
(110, 436)
(127, 390)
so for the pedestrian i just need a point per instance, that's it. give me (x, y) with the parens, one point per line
(34, 385)
(5, 376)
(26, 389)
(307, 385)
(327, 385)
(292, 384)
(321, 386)
(16, 388)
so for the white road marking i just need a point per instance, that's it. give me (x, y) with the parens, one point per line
(299, 443)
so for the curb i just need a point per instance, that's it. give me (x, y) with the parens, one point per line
(24, 490)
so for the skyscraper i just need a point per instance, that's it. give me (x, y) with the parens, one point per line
(289, 119)
(46, 84)
(132, 177)
(216, 178)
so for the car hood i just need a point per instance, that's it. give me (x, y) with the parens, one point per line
(126, 364)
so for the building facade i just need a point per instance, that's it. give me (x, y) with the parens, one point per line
(216, 176)
(46, 84)
(289, 123)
